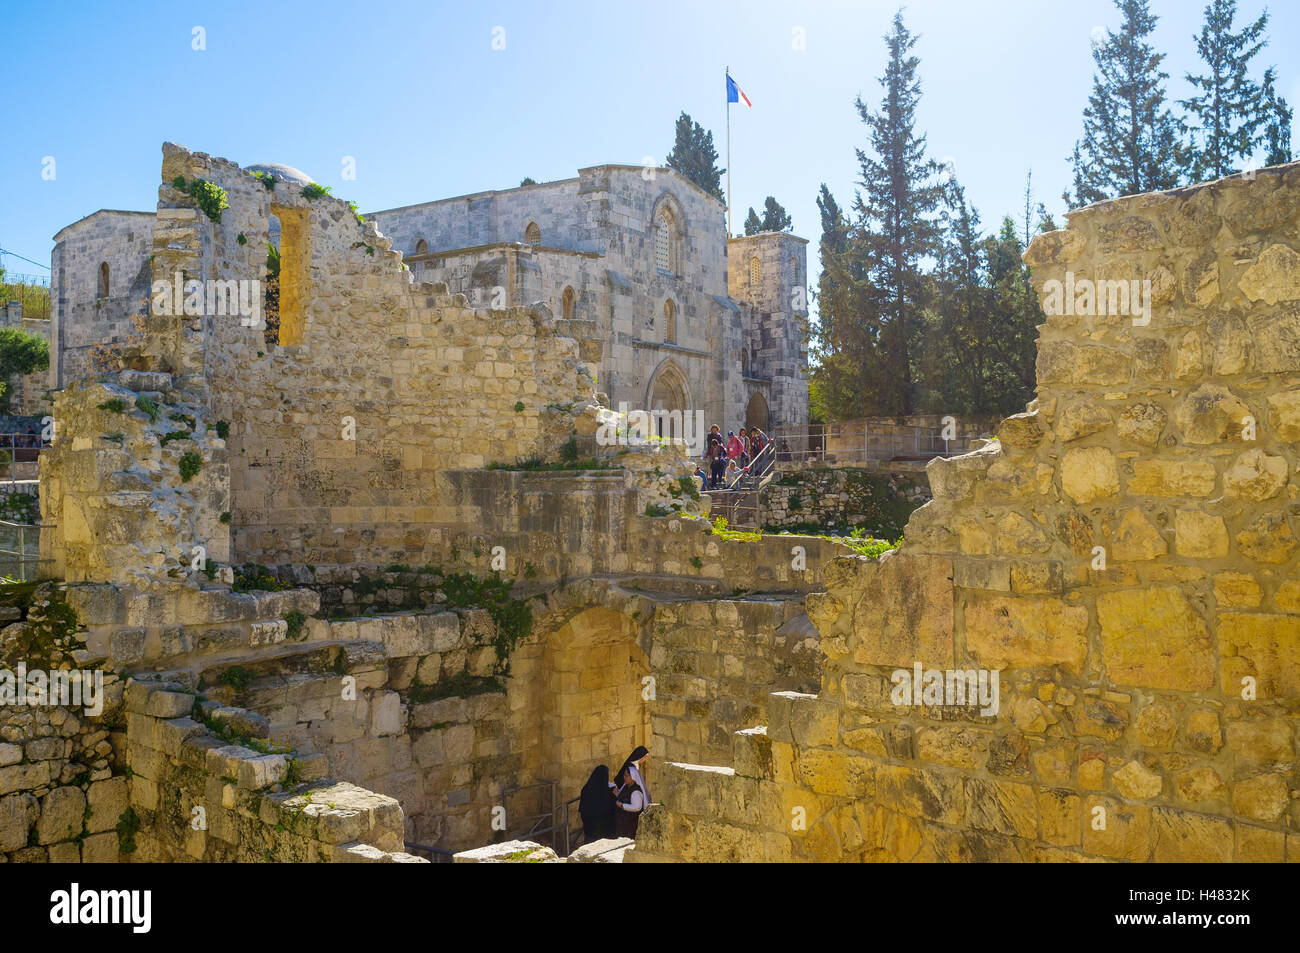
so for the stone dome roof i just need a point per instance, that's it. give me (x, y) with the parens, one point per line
(284, 173)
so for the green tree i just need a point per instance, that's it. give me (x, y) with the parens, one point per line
(896, 224)
(1229, 108)
(775, 218)
(1277, 123)
(1131, 140)
(528, 180)
(695, 157)
(20, 353)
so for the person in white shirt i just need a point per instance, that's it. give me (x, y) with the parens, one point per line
(633, 793)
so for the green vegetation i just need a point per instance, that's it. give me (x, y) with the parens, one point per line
(210, 197)
(513, 617)
(223, 429)
(21, 352)
(174, 435)
(689, 486)
(116, 437)
(654, 509)
(314, 191)
(252, 577)
(114, 406)
(296, 621)
(697, 562)
(147, 405)
(241, 239)
(266, 178)
(519, 406)
(128, 825)
(189, 465)
(224, 518)
(51, 634)
(236, 677)
(20, 508)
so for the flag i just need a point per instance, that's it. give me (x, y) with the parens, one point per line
(735, 94)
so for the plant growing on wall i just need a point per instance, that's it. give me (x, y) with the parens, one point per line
(189, 465)
(314, 191)
(210, 197)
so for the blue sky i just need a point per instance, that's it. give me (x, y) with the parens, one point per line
(416, 93)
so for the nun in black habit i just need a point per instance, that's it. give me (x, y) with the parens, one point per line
(596, 806)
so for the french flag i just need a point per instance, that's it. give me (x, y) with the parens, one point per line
(735, 94)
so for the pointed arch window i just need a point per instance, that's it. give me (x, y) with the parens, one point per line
(670, 321)
(666, 241)
(422, 247)
(103, 279)
(755, 273)
(533, 234)
(568, 301)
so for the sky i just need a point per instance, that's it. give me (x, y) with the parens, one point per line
(426, 104)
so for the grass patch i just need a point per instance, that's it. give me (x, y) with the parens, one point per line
(115, 406)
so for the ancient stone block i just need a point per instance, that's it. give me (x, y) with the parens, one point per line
(1255, 476)
(1154, 638)
(1088, 474)
(1010, 632)
(1273, 277)
(1200, 535)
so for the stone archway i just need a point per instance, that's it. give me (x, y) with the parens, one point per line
(756, 412)
(668, 399)
(592, 711)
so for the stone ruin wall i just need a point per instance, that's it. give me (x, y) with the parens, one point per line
(1125, 730)
(431, 384)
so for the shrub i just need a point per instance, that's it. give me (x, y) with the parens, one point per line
(190, 463)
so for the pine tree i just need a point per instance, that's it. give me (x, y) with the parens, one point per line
(896, 227)
(1130, 138)
(1276, 133)
(695, 157)
(1229, 107)
(753, 224)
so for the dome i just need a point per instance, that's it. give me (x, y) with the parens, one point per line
(282, 173)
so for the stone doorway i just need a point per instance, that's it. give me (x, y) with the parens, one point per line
(594, 712)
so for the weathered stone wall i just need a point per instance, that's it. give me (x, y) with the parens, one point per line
(80, 316)
(199, 796)
(774, 361)
(120, 501)
(842, 499)
(1124, 557)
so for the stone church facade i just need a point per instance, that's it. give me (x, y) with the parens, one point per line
(634, 263)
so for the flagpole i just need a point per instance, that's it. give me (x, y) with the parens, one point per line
(728, 74)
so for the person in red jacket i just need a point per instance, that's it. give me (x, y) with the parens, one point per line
(734, 447)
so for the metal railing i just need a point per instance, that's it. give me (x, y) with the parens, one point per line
(16, 448)
(23, 560)
(900, 443)
(554, 822)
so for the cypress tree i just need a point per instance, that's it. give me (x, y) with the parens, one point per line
(896, 226)
(1130, 138)
(695, 157)
(1229, 107)
(1277, 123)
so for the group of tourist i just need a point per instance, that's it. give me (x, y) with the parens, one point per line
(731, 457)
(613, 808)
